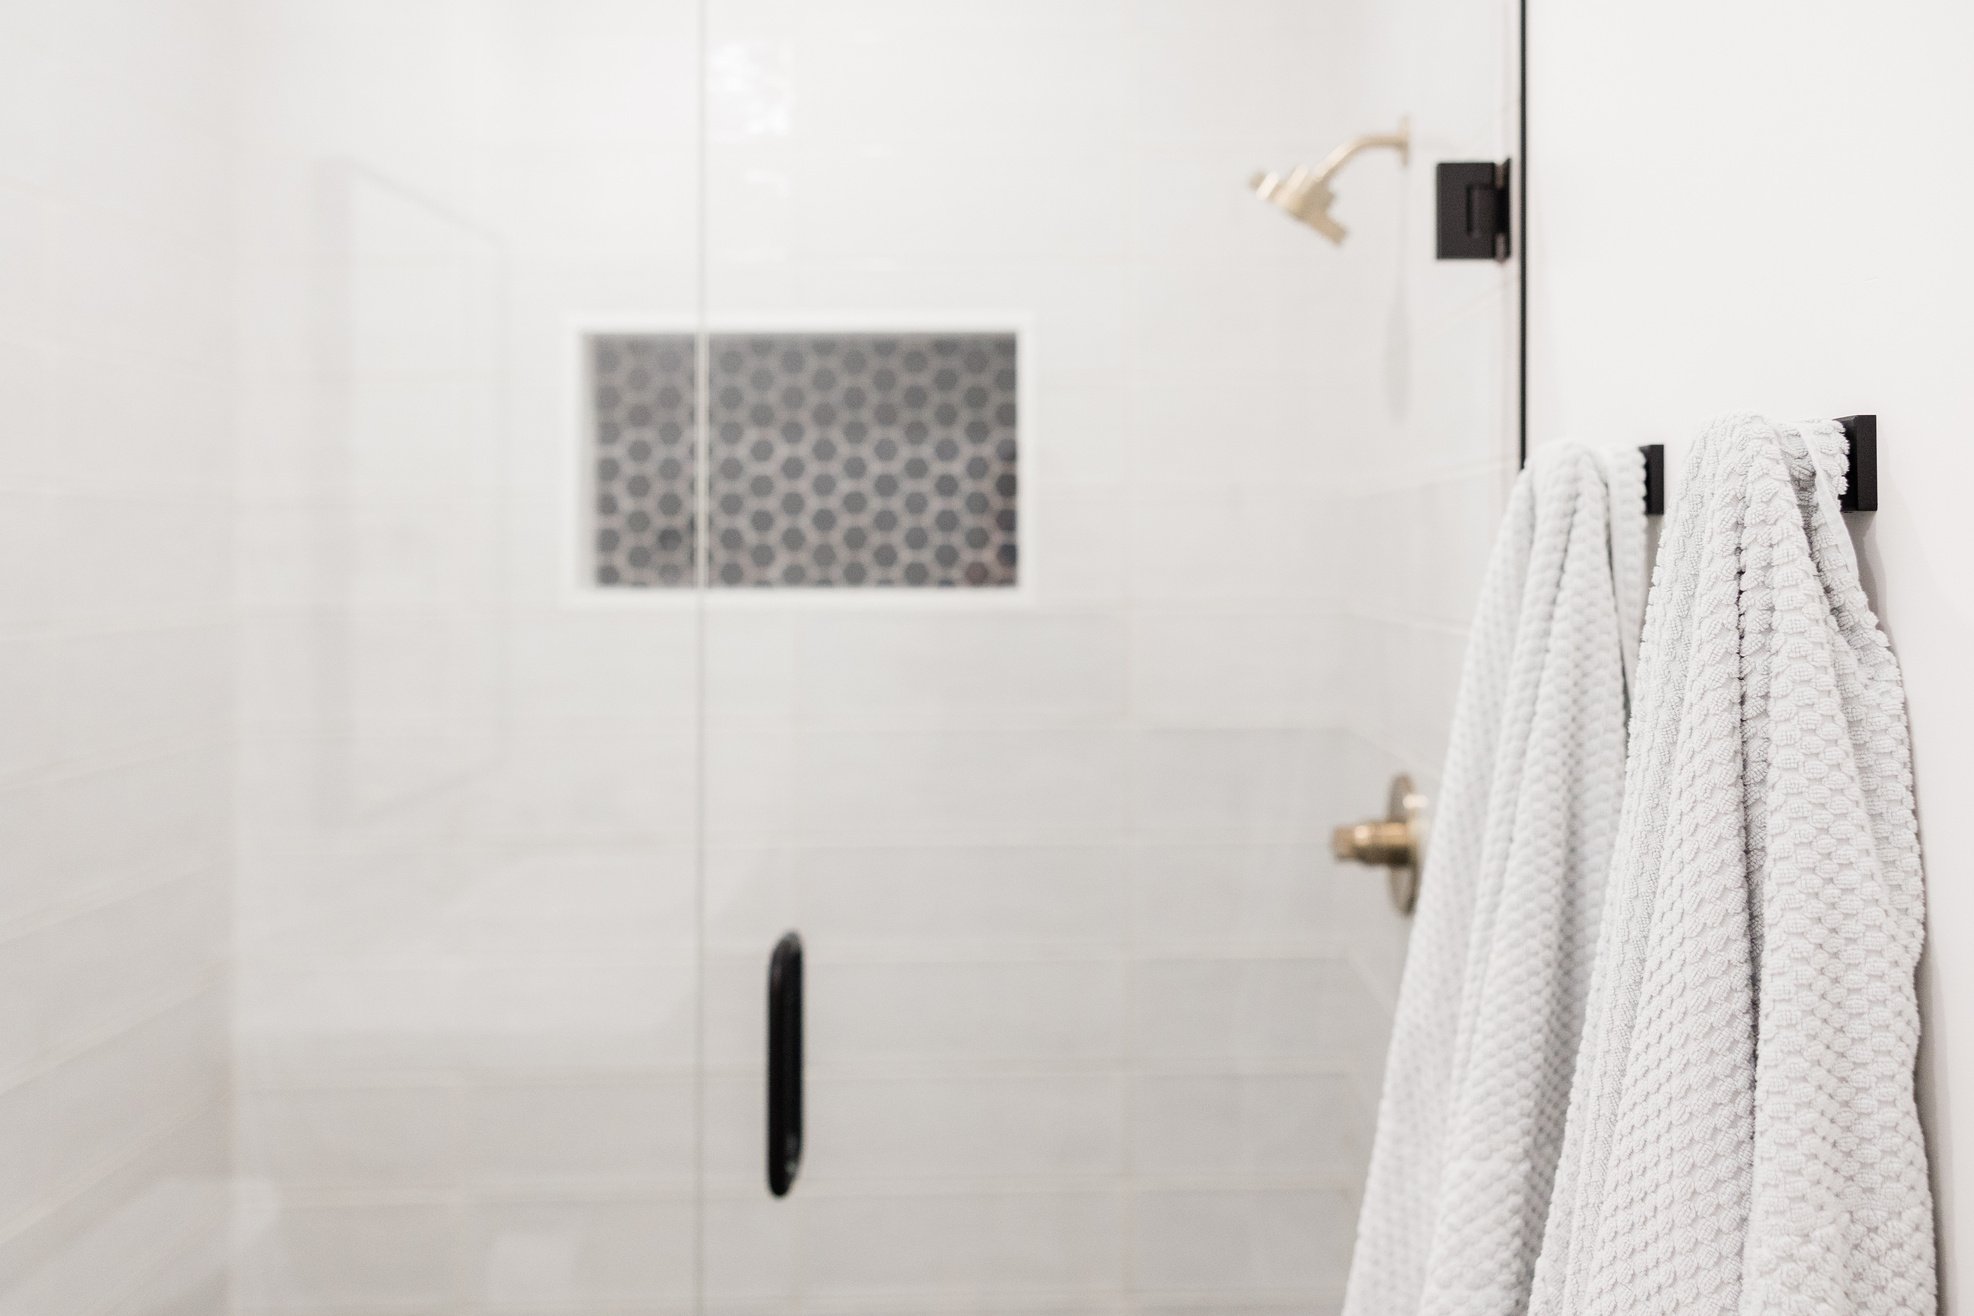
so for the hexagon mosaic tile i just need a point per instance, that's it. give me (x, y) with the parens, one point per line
(642, 396)
(837, 460)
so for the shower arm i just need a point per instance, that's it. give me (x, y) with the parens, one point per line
(1400, 141)
(1305, 194)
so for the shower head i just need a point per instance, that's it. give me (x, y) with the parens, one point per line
(1304, 193)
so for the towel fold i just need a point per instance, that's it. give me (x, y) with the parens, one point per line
(1742, 1134)
(1483, 1044)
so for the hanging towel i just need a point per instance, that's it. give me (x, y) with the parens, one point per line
(1478, 1076)
(1742, 1132)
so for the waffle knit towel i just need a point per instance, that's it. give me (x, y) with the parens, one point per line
(1489, 1010)
(1742, 1134)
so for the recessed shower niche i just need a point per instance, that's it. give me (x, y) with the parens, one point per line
(836, 459)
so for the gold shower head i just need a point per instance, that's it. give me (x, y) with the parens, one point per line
(1304, 193)
(1304, 196)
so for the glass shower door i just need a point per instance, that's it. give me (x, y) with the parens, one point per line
(465, 1034)
(706, 498)
(1021, 697)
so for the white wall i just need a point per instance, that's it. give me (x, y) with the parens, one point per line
(1740, 207)
(115, 654)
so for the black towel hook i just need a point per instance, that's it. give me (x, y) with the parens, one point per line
(1860, 483)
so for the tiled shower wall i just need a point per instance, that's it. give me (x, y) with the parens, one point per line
(468, 1009)
(1085, 1031)
(1095, 1023)
(1060, 863)
(115, 652)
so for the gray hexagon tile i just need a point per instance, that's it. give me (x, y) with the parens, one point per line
(863, 459)
(642, 398)
(837, 460)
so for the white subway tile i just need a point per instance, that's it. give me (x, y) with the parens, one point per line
(1250, 426)
(954, 1245)
(1240, 1011)
(437, 435)
(753, 1248)
(1078, 547)
(159, 1211)
(1250, 1126)
(1205, 69)
(169, 812)
(23, 1004)
(894, 203)
(558, 1254)
(872, 669)
(416, 1012)
(27, 231)
(601, 1130)
(105, 1102)
(548, 195)
(965, 1013)
(361, 1254)
(751, 667)
(949, 1014)
(1214, 667)
(28, 457)
(616, 782)
(963, 1129)
(951, 66)
(128, 691)
(1075, 305)
(1080, 431)
(125, 288)
(592, 70)
(37, 869)
(1252, 785)
(887, 898)
(570, 903)
(34, 572)
(144, 427)
(350, 1137)
(1228, 544)
(141, 559)
(25, 1150)
(733, 1118)
(1233, 894)
(108, 965)
(1281, 1240)
(30, 723)
(431, 314)
(625, 664)
(986, 785)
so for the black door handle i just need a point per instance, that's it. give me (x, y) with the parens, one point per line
(784, 1064)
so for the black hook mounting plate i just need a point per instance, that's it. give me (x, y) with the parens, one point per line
(1860, 481)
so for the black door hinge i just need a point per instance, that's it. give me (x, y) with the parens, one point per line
(1473, 210)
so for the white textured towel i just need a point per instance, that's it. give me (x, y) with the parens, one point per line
(1471, 1118)
(1742, 1134)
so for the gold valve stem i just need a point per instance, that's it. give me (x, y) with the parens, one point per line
(1395, 842)
(1380, 844)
